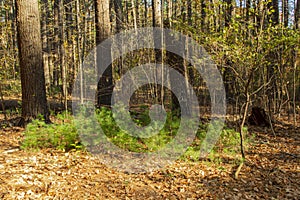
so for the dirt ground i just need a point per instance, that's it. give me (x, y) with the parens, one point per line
(271, 171)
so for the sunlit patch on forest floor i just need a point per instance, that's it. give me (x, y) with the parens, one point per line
(271, 171)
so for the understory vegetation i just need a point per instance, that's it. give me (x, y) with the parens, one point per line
(63, 135)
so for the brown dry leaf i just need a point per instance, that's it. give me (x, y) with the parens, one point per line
(272, 170)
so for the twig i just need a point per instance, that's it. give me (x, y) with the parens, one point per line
(271, 125)
(236, 174)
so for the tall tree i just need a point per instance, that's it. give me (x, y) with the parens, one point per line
(297, 15)
(285, 12)
(119, 15)
(156, 13)
(34, 100)
(157, 22)
(189, 12)
(103, 26)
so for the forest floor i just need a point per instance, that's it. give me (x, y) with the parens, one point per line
(271, 171)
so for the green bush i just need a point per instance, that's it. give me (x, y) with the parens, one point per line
(63, 136)
(228, 144)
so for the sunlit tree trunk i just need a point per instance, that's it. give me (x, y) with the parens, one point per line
(134, 14)
(156, 13)
(169, 13)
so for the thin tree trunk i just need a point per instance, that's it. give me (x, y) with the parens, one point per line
(62, 52)
(79, 52)
(189, 12)
(46, 48)
(285, 12)
(145, 12)
(169, 13)
(157, 22)
(119, 15)
(294, 94)
(56, 44)
(297, 15)
(134, 14)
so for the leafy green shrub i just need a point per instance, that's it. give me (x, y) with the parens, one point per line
(61, 136)
(64, 135)
(124, 140)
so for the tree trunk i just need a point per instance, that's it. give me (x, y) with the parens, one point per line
(297, 15)
(46, 49)
(61, 51)
(34, 102)
(102, 20)
(156, 13)
(145, 12)
(285, 12)
(134, 14)
(189, 12)
(169, 13)
(157, 22)
(56, 72)
(119, 15)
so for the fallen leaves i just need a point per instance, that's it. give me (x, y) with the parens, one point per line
(271, 171)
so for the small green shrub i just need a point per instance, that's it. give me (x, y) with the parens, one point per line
(39, 135)
(228, 144)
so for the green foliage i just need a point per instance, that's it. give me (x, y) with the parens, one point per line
(228, 144)
(10, 88)
(124, 140)
(63, 136)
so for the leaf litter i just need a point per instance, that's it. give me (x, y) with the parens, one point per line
(271, 171)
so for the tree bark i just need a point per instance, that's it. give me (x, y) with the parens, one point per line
(34, 102)
(156, 13)
(119, 15)
(102, 20)
(189, 12)
(285, 12)
(297, 15)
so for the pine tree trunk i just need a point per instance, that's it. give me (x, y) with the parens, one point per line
(34, 102)
(102, 20)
